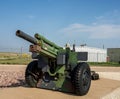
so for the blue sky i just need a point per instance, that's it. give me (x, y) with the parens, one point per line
(94, 22)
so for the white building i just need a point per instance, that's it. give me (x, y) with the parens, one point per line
(94, 54)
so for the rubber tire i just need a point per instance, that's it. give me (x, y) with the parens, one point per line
(30, 80)
(92, 72)
(82, 79)
(95, 76)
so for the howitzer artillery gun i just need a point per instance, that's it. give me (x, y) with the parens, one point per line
(56, 68)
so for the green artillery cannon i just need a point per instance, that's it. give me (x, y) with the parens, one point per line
(56, 68)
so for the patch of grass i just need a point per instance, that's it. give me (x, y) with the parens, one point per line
(113, 64)
(15, 61)
(14, 58)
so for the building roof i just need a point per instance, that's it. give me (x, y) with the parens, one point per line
(89, 49)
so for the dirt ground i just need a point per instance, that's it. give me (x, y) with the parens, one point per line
(98, 89)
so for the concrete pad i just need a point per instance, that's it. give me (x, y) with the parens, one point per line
(110, 75)
(113, 95)
(98, 90)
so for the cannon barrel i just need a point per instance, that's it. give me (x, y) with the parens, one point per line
(40, 37)
(41, 44)
(25, 36)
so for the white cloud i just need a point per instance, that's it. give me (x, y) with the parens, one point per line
(103, 31)
(104, 27)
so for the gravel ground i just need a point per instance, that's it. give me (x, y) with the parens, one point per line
(11, 78)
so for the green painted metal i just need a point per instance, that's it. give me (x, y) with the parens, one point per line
(58, 66)
(48, 47)
(73, 59)
(40, 37)
(47, 53)
(67, 86)
(60, 71)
